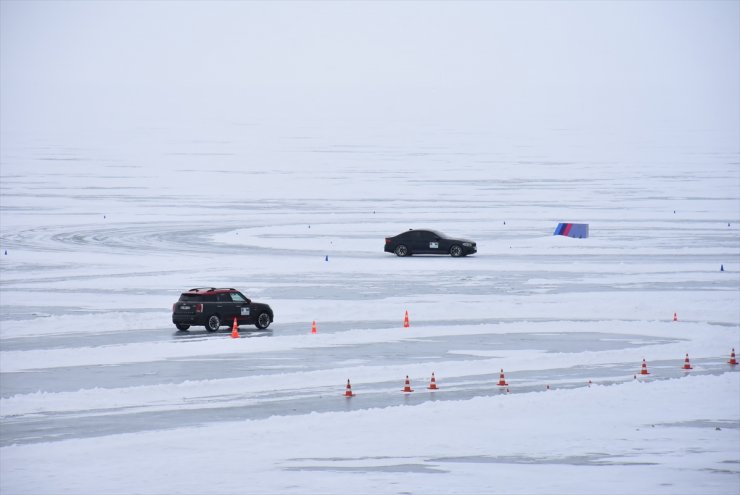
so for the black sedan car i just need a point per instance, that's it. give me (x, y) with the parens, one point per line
(213, 308)
(428, 242)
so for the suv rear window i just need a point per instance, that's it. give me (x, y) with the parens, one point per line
(191, 297)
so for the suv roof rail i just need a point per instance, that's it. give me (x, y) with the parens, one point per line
(209, 289)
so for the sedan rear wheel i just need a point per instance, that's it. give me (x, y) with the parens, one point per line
(401, 250)
(456, 251)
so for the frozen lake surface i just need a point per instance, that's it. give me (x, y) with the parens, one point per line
(100, 242)
(147, 148)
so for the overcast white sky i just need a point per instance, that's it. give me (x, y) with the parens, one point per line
(567, 63)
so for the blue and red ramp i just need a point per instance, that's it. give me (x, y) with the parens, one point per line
(576, 230)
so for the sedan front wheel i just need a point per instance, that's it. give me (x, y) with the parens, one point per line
(456, 251)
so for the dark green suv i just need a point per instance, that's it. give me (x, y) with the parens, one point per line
(213, 308)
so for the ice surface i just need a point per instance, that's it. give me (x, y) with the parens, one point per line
(287, 193)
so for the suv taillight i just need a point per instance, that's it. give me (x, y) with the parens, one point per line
(387, 240)
(198, 308)
(174, 306)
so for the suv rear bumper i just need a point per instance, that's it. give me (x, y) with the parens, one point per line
(187, 319)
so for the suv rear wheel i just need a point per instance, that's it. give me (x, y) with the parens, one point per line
(213, 323)
(263, 321)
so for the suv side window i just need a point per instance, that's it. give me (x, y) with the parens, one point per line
(223, 297)
(236, 297)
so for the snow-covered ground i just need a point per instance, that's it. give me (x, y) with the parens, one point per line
(168, 182)
(101, 393)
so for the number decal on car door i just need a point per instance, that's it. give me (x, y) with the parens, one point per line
(433, 245)
(245, 311)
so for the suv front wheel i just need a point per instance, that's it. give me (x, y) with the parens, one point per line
(213, 323)
(263, 321)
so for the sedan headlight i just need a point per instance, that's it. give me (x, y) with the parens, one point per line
(468, 244)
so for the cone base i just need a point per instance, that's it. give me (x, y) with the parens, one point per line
(502, 384)
(407, 390)
(432, 387)
(643, 372)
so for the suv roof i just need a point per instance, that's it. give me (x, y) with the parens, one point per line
(211, 290)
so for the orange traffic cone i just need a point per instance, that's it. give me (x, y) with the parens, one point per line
(732, 360)
(235, 330)
(686, 364)
(644, 370)
(502, 380)
(407, 388)
(433, 383)
(348, 392)
(406, 320)
(675, 317)
(313, 327)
